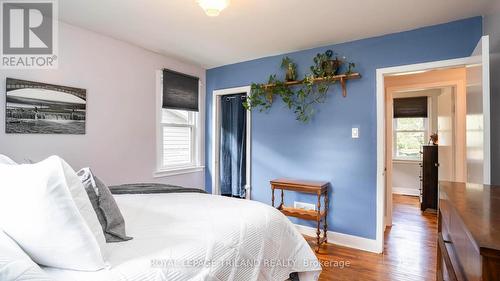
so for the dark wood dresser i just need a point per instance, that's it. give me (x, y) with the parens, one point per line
(429, 178)
(469, 232)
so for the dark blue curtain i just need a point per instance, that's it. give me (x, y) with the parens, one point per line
(233, 146)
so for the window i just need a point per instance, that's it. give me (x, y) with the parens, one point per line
(178, 139)
(409, 136)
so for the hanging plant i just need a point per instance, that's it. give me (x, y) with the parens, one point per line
(300, 96)
(307, 96)
(262, 95)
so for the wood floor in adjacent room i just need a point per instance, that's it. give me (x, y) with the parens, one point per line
(409, 254)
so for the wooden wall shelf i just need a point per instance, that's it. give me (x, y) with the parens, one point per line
(342, 78)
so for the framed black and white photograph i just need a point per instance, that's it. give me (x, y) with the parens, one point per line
(39, 108)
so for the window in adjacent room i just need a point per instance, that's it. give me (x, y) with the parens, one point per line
(410, 127)
(409, 136)
(179, 140)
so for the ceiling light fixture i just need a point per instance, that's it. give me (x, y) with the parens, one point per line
(213, 7)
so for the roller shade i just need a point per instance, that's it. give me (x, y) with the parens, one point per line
(410, 107)
(180, 91)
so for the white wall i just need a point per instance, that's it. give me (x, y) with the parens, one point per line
(475, 125)
(121, 135)
(446, 132)
(405, 177)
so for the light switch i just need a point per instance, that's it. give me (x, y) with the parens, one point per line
(355, 133)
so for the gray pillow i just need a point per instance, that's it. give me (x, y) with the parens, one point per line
(107, 211)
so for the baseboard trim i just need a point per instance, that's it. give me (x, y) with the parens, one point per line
(405, 191)
(341, 239)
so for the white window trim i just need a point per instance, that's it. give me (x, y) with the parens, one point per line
(196, 166)
(405, 161)
(178, 171)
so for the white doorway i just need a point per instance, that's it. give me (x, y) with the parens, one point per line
(218, 95)
(481, 149)
(415, 111)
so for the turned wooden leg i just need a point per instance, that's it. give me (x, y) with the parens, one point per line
(272, 196)
(318, 231)
(325, 225)
(282, 198)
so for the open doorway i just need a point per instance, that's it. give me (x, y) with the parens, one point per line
(232, 143)
(415, 115)
(475, 139)
(419, 105)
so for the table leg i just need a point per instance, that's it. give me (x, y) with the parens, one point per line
(325, 225)
(282, 198)
(318, 231)
(272, 198)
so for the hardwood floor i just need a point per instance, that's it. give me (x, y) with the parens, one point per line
(409, 252)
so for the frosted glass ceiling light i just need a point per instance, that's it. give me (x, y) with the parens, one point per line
(213, 7)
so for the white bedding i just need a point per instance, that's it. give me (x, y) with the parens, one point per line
(190, 236)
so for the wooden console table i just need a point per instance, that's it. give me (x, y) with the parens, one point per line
(311, 187)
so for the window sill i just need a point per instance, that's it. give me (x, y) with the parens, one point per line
(406, 161)
(178, 171)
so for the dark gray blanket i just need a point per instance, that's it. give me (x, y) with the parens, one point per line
(151, 188)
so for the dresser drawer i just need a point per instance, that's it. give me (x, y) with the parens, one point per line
(464, 247)
(464, 255)
(444, 217)
(450, 269)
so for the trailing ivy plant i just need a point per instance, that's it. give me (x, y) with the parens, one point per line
(299, 98)
(262, 95)
(307, 96)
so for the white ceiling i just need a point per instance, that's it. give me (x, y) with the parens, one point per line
(250, 29)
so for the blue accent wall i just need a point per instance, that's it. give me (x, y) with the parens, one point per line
(323, 149)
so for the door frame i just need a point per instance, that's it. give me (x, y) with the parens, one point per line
(381, 130)
(478, 57)
(216, 123)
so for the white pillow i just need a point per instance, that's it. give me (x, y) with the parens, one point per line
(15, 264)
(38, 211)
(6, 160)
(83, 203)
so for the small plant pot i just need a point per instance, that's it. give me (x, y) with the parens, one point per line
(331, 67)
(291, 75)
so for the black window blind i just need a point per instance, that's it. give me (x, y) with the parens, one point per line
(410, 107)
(180, 91)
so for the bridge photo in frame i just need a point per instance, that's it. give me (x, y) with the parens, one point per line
(39, 108)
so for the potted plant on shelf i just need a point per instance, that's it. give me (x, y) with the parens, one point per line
(290, 69)
(326, 64)
(302, 95)
(350, 68)
(433, 139)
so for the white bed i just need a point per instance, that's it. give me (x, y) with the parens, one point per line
(191, 236)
